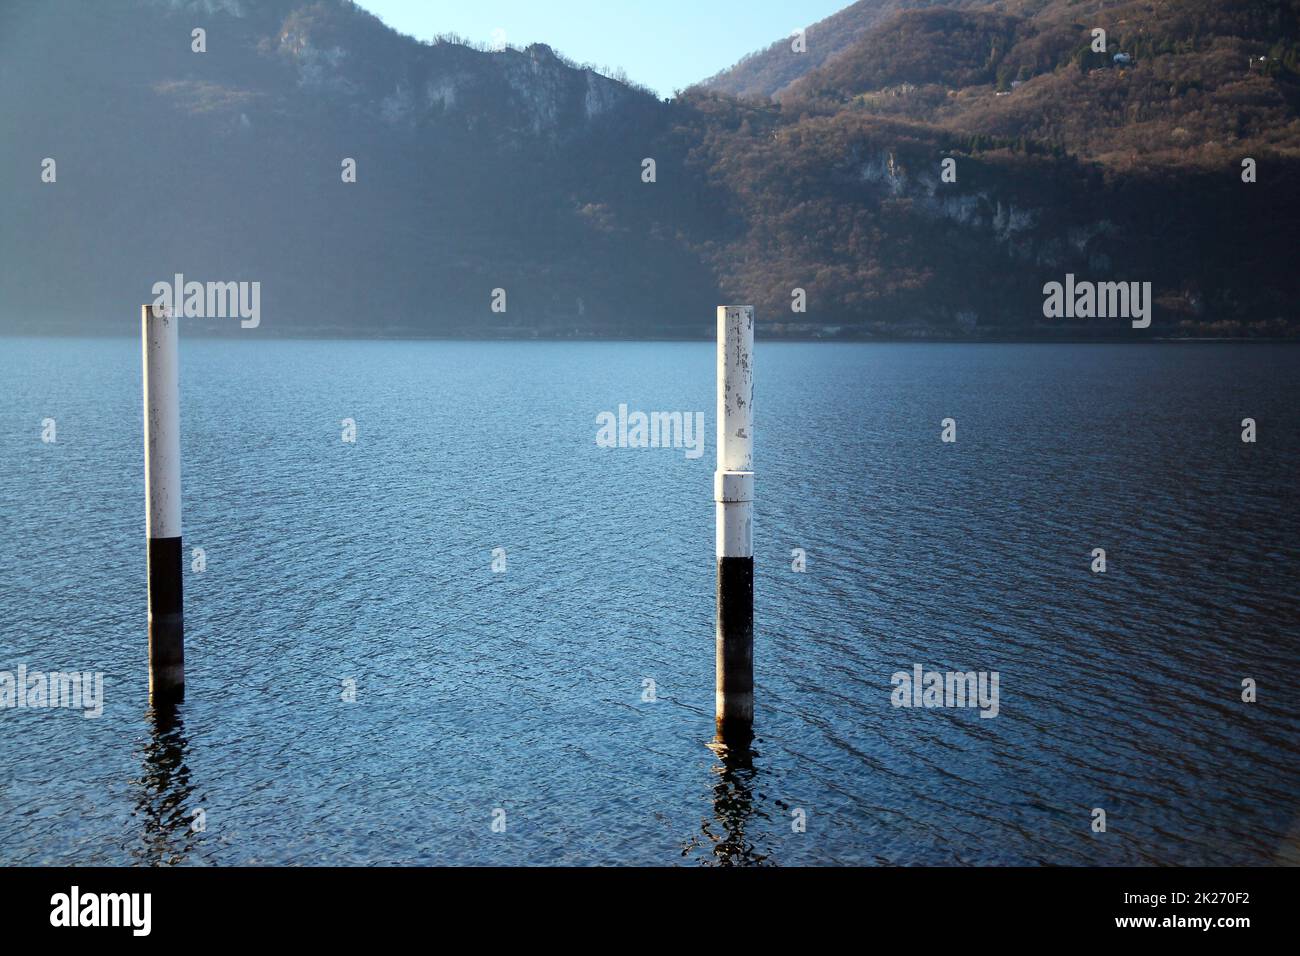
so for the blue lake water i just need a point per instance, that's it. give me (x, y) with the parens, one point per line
(523, 691)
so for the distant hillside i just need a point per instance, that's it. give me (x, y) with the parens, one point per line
(1205, 77)
(770, 71)
(1066, 160)
(940, 46)
(520, 170)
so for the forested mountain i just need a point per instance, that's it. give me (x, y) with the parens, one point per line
(1116, 165)
(518, 170)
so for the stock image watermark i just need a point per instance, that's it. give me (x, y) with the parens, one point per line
(210, 300)
(925, 689)
(73, 690)
(76, 909)
(1098, 300)
(651, 430)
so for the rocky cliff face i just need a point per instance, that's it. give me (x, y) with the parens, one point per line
(529, 91)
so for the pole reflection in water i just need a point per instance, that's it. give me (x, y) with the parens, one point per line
(164, 803)
(728, 837)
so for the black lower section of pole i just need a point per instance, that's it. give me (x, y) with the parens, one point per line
(735, 648)
(166, 619)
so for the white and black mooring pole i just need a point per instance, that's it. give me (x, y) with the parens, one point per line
(162, 498)
(733, 492)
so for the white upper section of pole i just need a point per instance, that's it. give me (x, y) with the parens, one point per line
(735, 388)
(733, 482)
(162, 423)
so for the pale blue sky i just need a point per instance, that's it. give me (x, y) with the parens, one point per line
(663, 44)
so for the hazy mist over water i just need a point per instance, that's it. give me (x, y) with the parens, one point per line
(522, 690)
